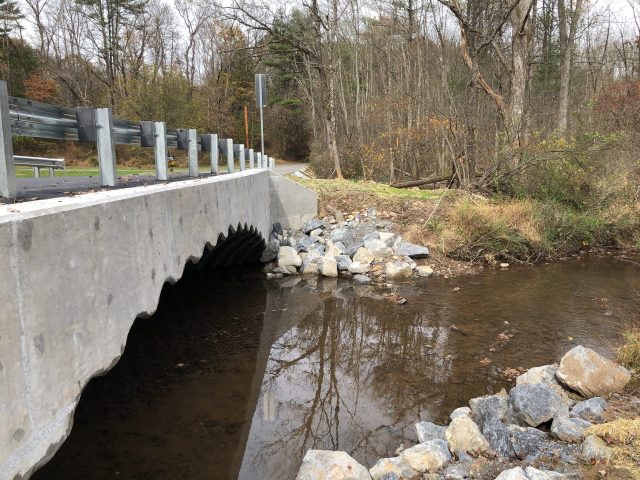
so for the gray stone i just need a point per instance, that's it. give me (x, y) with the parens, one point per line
(277, 228)
(316, 233)
(537, 403)
(371, 236)
(305, 243)
(352, 248)
(412, 250)
(270, 252)
(312, 225)
(342, 234)
(328, 465)
(397, 270)
(591, 410)
(457, 471)
(569, 429)
(527, 441)
(593, 448)
(392, 469)
(489, 407)
(343, 262)
(498, 435)
(429, 456)
(360, 278)
(377, 246)
(590, 374)
(288, 256)
(543, 374)
(387, 238)
(430, 431)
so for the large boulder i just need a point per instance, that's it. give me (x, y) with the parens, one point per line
(489, 407)
(393, 469)
(343, 262)
(569, 429)
(463, 434)
(591, 410)
(377, 246)
(357, 267)
(287, 256)
(536, 403)
(498, 434)
(328, 465)
(397, 270)
(460, 412)
(590, 374)
(430, 431)
(527, 441)
(427, 457)
(412, 250)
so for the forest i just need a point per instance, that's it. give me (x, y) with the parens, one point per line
(539, 98)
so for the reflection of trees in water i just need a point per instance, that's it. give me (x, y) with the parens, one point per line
(351, 377)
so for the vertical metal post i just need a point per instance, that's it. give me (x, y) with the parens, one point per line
(242, 159)
(7, 168)
(259, 159)
(51, 170)
(272, 163)
(160, 150)
(261, 98)
(213, 154)
(105, 146)
(192, 150)
(36, 172)
(230, 167)
(251, 160)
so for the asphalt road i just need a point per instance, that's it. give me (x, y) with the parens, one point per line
(45, 187)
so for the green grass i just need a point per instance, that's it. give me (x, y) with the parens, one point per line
(27, 172)
(372, 188)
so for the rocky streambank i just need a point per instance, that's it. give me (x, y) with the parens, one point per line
(546, 427)
(360, 246)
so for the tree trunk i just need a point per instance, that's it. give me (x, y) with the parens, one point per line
(567, 43)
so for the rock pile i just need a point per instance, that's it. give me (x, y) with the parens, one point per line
(361, 247)
(544, 418)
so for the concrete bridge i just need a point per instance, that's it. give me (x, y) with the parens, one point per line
(77, 271)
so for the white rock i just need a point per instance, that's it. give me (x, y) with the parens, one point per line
(430, 431)
(463, 434)
(569, 429)
(376, 246)
(535, 474)
(543, 374)
(332, 250)
(310, 268)
(328, 465)
(357, 267)
(460, 412)
(395, 468)
(585, 371)
(427, 457)
(504, 265)
(363, 255)
(397, 269)
(387, 238)
(316, 233)
(424, 271)
(287, 256)
(329, 267)
(517, 473)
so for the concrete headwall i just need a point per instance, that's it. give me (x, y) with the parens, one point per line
(291, 203)
(75, 272)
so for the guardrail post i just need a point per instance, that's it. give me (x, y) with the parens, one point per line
(192, 149)
(251, 159)
(160, 150)
(8, 187)
(243, 162)
(213, 153)
(259, 159)
(272, 163)
(230, 166)
(106, 147)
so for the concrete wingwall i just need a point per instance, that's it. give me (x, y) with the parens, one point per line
(75, 272)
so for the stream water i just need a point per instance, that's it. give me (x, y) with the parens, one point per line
(236, 377)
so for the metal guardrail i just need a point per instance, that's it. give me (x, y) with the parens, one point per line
(22, 117)
(39, 162)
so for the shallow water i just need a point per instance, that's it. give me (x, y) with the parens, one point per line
(236, 377)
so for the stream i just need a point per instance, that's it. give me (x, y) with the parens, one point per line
(235, 377)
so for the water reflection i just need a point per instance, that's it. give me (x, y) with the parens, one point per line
(269, 371)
